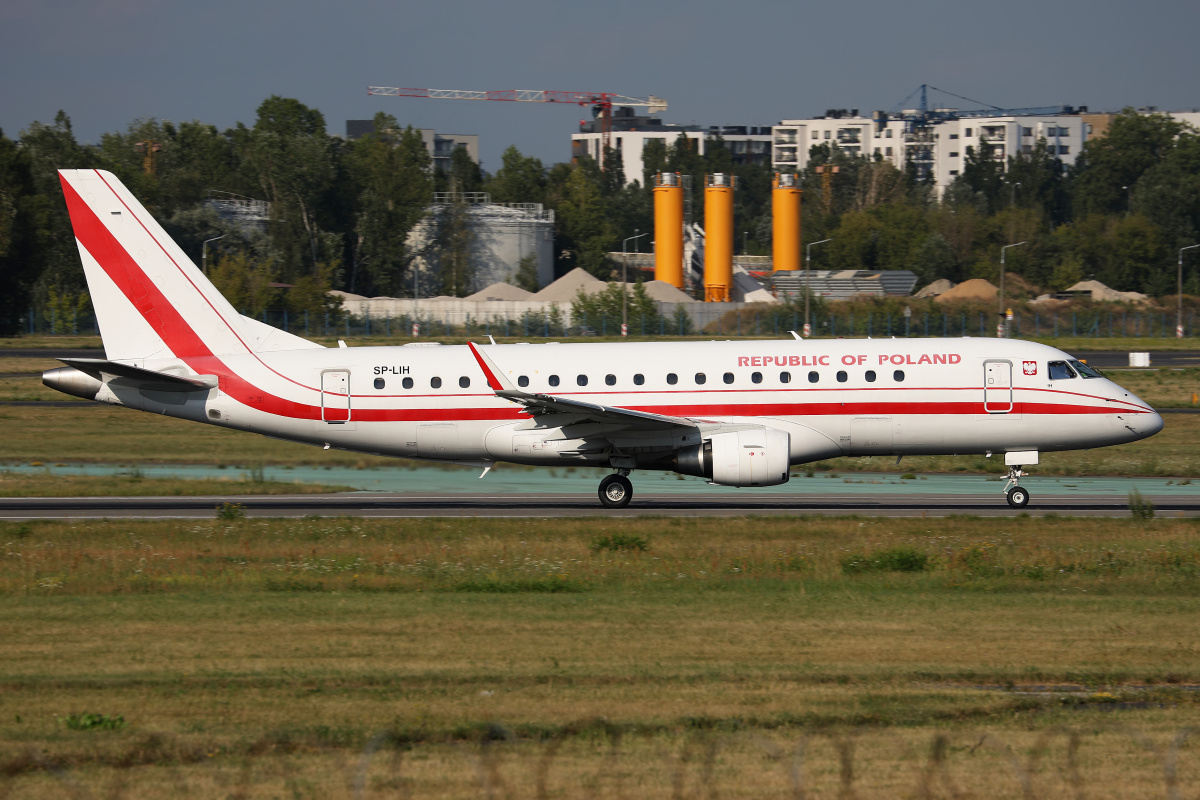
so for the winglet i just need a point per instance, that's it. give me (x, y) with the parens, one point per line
(495, 378)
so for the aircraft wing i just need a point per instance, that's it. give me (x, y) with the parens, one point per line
(161, 381)
(538, 404)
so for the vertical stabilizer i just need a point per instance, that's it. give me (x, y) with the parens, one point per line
(151, 301)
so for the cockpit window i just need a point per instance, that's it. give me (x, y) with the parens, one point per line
(1086, 371)
(1059, 371)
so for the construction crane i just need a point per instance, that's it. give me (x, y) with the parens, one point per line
(602, 103)
(922, 116)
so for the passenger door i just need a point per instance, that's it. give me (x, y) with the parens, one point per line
(997, 387)
(335, 396)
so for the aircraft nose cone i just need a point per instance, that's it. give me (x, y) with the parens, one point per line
(1153, 423)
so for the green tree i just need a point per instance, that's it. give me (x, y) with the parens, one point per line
(453, 242)
(292, 160)
(520, 179)
(585, 233)
(391, 172)
(1110, 165)
(603, 308)
(21, 252)
(245, 282)
(50, 148)
(933, 258)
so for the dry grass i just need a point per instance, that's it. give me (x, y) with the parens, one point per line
(260, 657)
(1162, 388)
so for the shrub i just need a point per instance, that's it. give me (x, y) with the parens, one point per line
(94, 722)
(1140, 507)
(620, 541)
(231, 511)
(896, 559)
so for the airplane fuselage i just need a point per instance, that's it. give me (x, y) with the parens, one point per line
(833, 398)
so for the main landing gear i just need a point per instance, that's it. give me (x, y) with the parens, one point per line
(616, 490)
(1017, 496)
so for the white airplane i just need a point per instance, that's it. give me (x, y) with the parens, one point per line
(738, 413)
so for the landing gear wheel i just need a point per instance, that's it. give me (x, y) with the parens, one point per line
(615, 491)
(1018, 497)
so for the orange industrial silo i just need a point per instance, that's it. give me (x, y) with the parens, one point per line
(718, 238)
(785, 223)
(668, 229)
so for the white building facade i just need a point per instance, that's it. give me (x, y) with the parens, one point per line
(747, 144)
(937, 150)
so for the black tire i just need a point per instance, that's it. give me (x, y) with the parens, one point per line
(615, 491)
(1018, 497)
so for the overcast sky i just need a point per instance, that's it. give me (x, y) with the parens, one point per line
(717, 62)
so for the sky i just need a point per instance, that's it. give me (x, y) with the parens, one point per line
(748, 62)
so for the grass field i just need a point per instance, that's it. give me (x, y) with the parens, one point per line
(591, 658)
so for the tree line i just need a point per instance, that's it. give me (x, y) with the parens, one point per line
(341, 211)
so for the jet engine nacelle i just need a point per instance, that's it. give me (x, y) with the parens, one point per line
(751, 457)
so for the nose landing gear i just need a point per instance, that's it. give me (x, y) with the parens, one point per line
(1017, 497)
(616, 490)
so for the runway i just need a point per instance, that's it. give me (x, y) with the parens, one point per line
(539, 505)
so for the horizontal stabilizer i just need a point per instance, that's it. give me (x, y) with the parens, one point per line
(161, 381)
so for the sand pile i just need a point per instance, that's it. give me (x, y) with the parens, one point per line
(940, 286)
(1103, 294)
(664, 292)
(565, 288)
(501, 291)
(974, 289)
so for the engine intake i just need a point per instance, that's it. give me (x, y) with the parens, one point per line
(752, 457)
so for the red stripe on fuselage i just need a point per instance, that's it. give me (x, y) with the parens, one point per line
(185, 343)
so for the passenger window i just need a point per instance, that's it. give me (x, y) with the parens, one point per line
(379, 383)
(581, 380)
(756, 377)
(870, 376)
(842, 376)
(813, 377)
(700, 378)
(898, 376)
(436, 383)
(407, 383)
(464, 382)
(639, 379)
(553, 380)
(672, 378)
(1059, 371)
(727, 377)
(785, 377)
(523, 381)
(611, 380)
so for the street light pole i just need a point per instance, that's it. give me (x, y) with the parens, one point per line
(1003, 326)
(1179, 292)
(808, 284)
(1012, 195)
(204, 252)
(625, 279)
